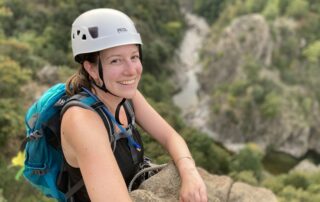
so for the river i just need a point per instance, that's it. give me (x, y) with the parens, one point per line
(195, 109)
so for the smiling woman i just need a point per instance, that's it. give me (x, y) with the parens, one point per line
(101, 145)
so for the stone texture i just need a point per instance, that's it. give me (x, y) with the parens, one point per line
(164, 187)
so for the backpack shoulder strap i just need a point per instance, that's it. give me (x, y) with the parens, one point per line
(129, 109)
(87, 102)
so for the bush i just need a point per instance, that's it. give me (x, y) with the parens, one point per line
(297, 180)
(11, 77)
(289, 193)
(297, 8)
(271, 10)
(271, 106)
(2, 199)
(248, 159)
(274, 183)
(206, 153)
(312, 52)
(246, 177)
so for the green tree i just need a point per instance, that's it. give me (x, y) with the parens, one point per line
(271, 10)
(297, 8)
(312, 52)
(248, 159)
(210, 9)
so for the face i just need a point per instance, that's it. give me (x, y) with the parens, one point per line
(122, 69)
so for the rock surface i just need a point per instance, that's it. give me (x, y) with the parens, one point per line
(240, 119)
(306, 166)
(164, 187)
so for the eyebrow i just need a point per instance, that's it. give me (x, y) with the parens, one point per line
(119, 55)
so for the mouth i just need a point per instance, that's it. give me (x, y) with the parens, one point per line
(127, 82)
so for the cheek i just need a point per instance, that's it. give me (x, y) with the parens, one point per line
(111, 74)
(139, 68)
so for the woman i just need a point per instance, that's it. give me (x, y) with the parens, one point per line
(108, 47)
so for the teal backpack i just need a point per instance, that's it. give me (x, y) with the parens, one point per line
(44, 160)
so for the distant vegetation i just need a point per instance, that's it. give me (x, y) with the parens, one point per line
(297, 60)
(35, 34)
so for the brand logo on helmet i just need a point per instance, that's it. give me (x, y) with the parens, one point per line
(119, 30)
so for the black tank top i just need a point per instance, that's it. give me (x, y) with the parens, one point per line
(124, 159)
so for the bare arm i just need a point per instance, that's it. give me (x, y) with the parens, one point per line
(159, 129)
(192, 187)
(85, 138)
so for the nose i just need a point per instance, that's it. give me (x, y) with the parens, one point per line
(132, 67)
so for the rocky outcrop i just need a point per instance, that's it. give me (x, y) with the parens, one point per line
(306, 166)
(294, 129)
(246, 36)
(164, 187)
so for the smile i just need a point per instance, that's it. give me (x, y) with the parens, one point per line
(127, 82)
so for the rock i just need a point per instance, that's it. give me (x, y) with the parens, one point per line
(306, 166)
(164, 187)
(238, 119)
(246, 193)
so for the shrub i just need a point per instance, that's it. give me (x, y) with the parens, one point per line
(271, 106)
(297, 180)
(246, 177)
(312, 52)
(248, 159)
(271, 10)
(297, 8)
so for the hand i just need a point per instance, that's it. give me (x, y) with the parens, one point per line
(193, 188)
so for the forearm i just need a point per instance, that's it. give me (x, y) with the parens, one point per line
(178, 150)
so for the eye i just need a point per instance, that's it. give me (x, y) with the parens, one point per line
(135, 57)
(115, 61)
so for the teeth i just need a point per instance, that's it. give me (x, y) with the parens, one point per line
(127, 82)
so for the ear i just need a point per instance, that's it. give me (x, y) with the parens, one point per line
(91, 69)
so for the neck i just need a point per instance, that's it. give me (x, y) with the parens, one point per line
(108, 99)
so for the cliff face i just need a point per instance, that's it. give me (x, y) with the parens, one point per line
(250, 102)
(164, 187)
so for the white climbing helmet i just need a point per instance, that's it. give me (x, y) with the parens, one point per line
(100, 29)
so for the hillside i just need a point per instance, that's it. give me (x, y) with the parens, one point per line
(261, 68)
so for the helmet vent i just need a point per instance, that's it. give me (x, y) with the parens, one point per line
(93, 32)
(78, 32)
(84, 37)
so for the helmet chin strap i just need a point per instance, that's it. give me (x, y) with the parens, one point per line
(104, 88)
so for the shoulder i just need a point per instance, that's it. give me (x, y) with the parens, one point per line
(75, 116)
(82, 128)
(138, 100)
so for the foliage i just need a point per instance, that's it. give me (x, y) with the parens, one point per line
(206, 153)
(246, 176)
(296, 186)
(254, 6)
(210, 9)
(248, 159)
(11, 74)
(312, 52)
(297, 8)
(249, 98)
(271, 106)
(271, 10)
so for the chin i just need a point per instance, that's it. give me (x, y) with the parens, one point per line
(128, 95)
